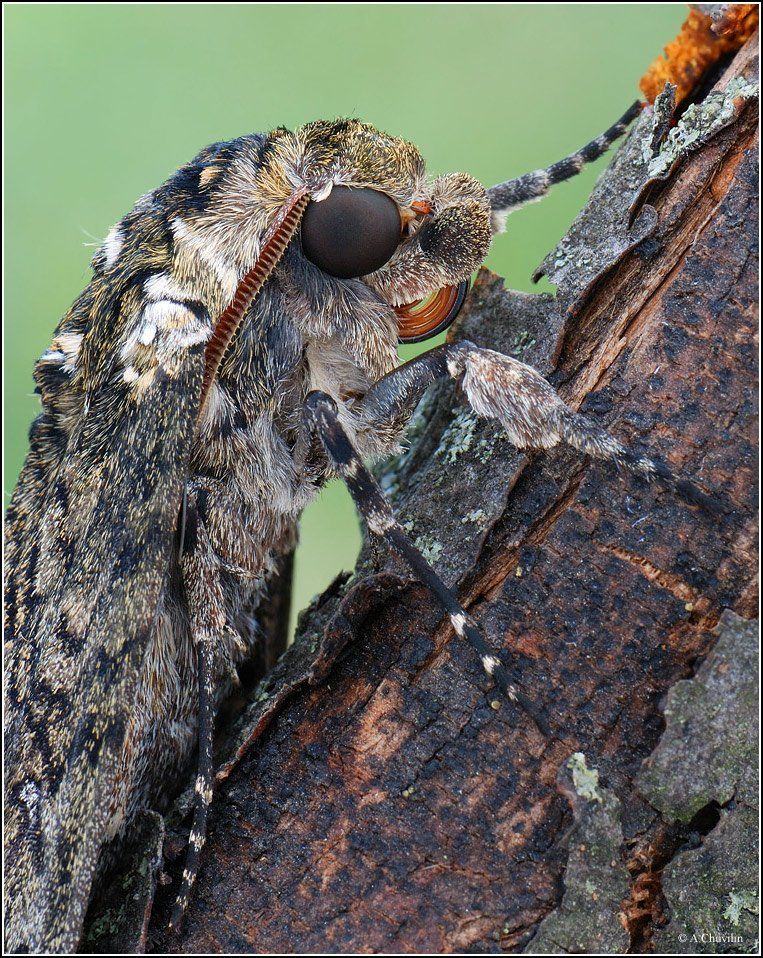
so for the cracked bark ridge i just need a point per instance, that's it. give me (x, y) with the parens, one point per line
(595, 881)
(394, 807)
(601, 236)
(705, 760)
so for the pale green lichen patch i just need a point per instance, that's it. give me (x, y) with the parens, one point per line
(458, 437)
(486, 448)
(596, 881)
(476, 516)
(429, 547)
(739, 902)
(700, 123)
(584, 779)
(566, 254)
(262, 693)
(523, 342)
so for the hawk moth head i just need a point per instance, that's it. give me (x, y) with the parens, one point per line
(372, 214)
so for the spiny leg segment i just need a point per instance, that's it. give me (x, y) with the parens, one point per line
(322, 415)
(509, 196)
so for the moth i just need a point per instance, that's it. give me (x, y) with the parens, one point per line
(236, 348)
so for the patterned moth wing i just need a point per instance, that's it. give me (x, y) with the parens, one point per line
(91, 540)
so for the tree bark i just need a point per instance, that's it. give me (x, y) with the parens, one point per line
(377, 795)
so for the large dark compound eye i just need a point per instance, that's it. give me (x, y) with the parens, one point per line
(352, 232)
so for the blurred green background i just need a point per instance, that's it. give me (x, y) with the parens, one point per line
(104, 102)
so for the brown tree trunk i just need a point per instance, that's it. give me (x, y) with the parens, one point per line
(385, 800)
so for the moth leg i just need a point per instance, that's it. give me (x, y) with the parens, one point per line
(207, 621)
(530, 411)
(321, 412)
(509, 196)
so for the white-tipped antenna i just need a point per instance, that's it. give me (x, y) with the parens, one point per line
(509, 196)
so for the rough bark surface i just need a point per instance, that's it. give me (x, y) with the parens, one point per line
(381, 799)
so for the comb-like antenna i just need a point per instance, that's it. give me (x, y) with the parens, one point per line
(509, 196)
(274, 246)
